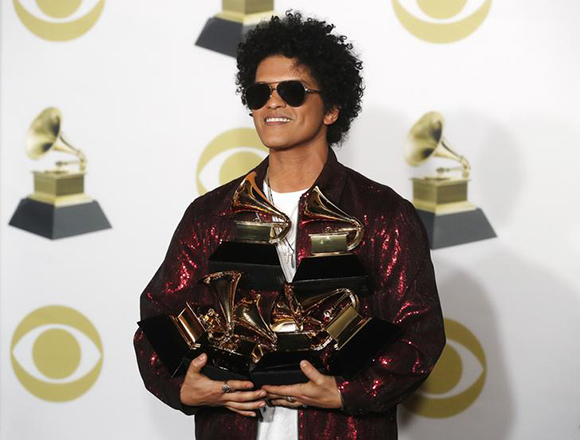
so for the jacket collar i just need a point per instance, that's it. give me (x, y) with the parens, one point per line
(331, 179)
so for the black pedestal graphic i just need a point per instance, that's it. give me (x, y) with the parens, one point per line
(59, 222)
(453, 229)
(222, 36)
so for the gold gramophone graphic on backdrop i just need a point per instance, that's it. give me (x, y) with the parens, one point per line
(441, 200)
(58, 207)
(223, 32)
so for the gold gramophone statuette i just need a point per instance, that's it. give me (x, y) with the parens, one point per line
(249, 198)
(58, 207)
(189, 327)
(441, 200)
(443, 193)
(327, 317)
(61, 185)
(339, 240)
(238, 326)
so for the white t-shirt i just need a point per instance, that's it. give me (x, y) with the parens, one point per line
(280, 423)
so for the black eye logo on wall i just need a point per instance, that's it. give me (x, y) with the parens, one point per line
(59, 20)
(56, 353)
(441, 21)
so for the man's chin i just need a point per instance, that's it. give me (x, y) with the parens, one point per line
(275, 144)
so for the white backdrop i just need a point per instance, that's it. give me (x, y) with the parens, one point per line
(143, 102)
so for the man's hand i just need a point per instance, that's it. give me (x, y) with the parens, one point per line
(320, 391)
(199, 390)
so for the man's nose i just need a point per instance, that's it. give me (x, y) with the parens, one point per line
(275, 101)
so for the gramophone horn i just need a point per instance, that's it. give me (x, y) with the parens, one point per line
(224, 285)
(248, 197)
(247, 314)
(426, 139)
(319, 208)
(45, 135)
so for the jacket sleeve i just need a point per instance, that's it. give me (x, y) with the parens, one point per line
(405, 294)
(173, 284)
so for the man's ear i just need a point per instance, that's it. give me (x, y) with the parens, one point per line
(331, 116)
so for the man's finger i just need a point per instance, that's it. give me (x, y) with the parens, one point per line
(274, 396)
(236, 385)
(284, 402)
(284, 390)
(197, 364)
(246, 406)
(244, 413)
(311, 373)
(244, 396)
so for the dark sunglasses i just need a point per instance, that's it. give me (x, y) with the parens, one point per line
(292, 92)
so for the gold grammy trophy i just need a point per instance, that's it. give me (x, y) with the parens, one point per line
(441, 200)
(331, 264)
(223, 32)
(324, 295)
(249, 198)
(259, 225)
(58, 207)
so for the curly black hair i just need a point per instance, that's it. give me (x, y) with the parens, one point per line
(328, 57)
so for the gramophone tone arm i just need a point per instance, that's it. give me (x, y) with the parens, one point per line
(78, 153)
(64, 163)
(82, 160)
(466, 167)
(448, 153)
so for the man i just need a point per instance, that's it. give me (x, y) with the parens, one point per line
(303, 86)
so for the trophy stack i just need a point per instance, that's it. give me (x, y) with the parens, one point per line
(316, 317)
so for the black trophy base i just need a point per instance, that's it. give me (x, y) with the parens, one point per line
(228, 362)
(283, 368)
(258, 378)
(325, 273)
(280, 377)
(222, 36)
(164, 337)
(259, 263)
(363, 347)
(275, 368)
(59, 222)
(454, 229)
(221, 374)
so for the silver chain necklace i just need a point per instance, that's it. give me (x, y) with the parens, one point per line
(285, 245)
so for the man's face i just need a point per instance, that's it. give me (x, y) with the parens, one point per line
(281, 126)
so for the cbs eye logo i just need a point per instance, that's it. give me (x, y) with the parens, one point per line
(458, 378)
(229, 155)
(56, 353)
(59, 20)
(441, 21)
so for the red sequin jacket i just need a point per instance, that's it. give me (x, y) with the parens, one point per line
(395, 253)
